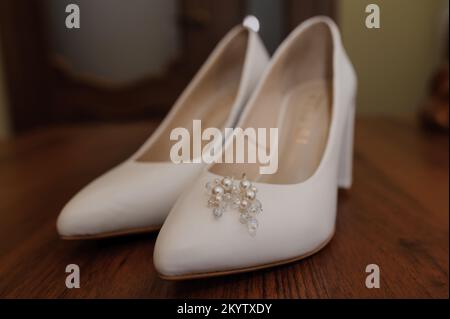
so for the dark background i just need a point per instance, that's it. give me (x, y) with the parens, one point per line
(130, 60)
(45, 87)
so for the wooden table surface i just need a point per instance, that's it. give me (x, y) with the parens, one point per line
(395, 216)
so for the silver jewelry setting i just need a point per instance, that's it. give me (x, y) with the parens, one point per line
(238, 195)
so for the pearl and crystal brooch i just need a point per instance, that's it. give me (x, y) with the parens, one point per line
(226, 192)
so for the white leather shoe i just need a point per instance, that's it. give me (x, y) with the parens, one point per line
(308, 93)
(137, 195)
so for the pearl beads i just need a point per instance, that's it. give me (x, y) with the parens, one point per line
(224, 193)
(245, 184)
(250, 195)
(218, 190)
(227, 183)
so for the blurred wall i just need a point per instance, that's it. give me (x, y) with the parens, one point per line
(118, 41)
(270, 15)
(4, 121)
(394, 63)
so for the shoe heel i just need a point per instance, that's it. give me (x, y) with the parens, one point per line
(346, 156)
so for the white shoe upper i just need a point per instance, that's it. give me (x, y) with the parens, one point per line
(139, 194)
(297, 218)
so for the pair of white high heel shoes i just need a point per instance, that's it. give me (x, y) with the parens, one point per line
(307, 91)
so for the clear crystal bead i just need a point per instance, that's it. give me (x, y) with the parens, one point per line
(252, 225)
(218, 211)
(258, 204)
(254, 209)
(243, 218)
(223, 205)
(212, 203)
(236, 203)
(227, 197)
(208, 186)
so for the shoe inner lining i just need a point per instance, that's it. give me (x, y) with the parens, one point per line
(296, 98)
(210, 101)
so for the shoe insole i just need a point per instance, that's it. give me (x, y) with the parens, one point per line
(210, 101)
(212, 113)
(302, 117)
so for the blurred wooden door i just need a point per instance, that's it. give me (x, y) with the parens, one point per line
(43, 92)
(204, 22)
(27, 71)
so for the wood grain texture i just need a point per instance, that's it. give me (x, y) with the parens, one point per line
(396, 216)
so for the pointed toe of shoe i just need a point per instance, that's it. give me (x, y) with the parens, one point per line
(178, 250)
(83, 218)
(94, 215)
(71, 221)
(133, 197)
(193, 243)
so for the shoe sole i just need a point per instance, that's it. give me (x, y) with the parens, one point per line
(246, 269)
(119, 233)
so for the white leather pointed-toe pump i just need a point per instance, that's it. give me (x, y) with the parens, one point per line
(137, 195)
(245, 223)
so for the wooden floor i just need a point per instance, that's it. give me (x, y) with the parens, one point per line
(396, 216)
